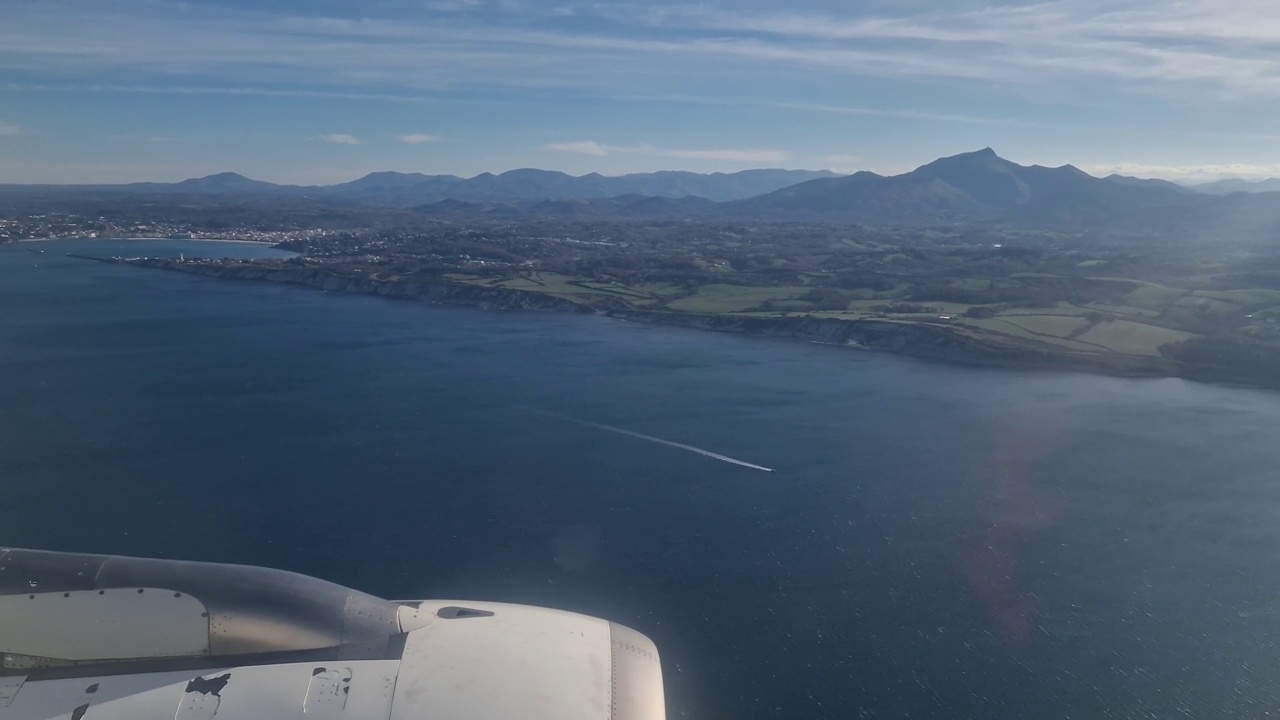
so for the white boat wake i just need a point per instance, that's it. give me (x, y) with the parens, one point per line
(669, 443)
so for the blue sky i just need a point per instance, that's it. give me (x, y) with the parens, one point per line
(320, 91)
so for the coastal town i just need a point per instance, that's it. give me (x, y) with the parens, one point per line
(39, 226)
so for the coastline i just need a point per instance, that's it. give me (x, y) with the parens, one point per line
(114, 239)
(217, 240)
(939, 343)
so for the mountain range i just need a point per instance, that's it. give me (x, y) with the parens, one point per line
(971, 188)
(528, 184)
(1234, 185)
(976, 188)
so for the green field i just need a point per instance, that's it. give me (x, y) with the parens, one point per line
(1152, 297)
(715, 298)
(1132, 338)
(1206, 305)
(1062, 308)
(1062, 324)
(1124, 310)
(1003, 326)
(940, 308)
(1056, 325)
(659, 289)
(562, 285)
(619, 290)
(1246, 298)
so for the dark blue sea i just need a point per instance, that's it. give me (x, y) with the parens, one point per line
(937, 542)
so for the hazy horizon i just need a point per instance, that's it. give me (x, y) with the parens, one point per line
(172, 180)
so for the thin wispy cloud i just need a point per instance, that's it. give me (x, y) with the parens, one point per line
(585, 147)
(736, 156)
(899, 113)
(208, 90)
(1230, 43)
(842, 162)
(133, 137)
(1186, 173)
(341, 139)
(8, 130)
(454, 5)
(591, 147)
(1227, 44)
(417, 138)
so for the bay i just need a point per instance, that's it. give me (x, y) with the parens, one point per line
(936, 541)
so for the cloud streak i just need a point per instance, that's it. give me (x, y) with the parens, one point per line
(584, 147)
(899, 113)
(9, 130)
(1226, 45)
(341, 139)
(1186, 173)
(736, 156)
(248, 91)
(593, 148)
(417, 139)
(842, 162)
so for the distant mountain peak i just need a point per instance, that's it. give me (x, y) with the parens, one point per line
(222, 177)
(984, 158)
(985, 154)
(972, 186)
(224, 180)
(390, 174)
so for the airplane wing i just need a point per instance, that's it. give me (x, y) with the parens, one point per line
(96, 637)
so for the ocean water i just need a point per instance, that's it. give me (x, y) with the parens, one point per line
(937, 542)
